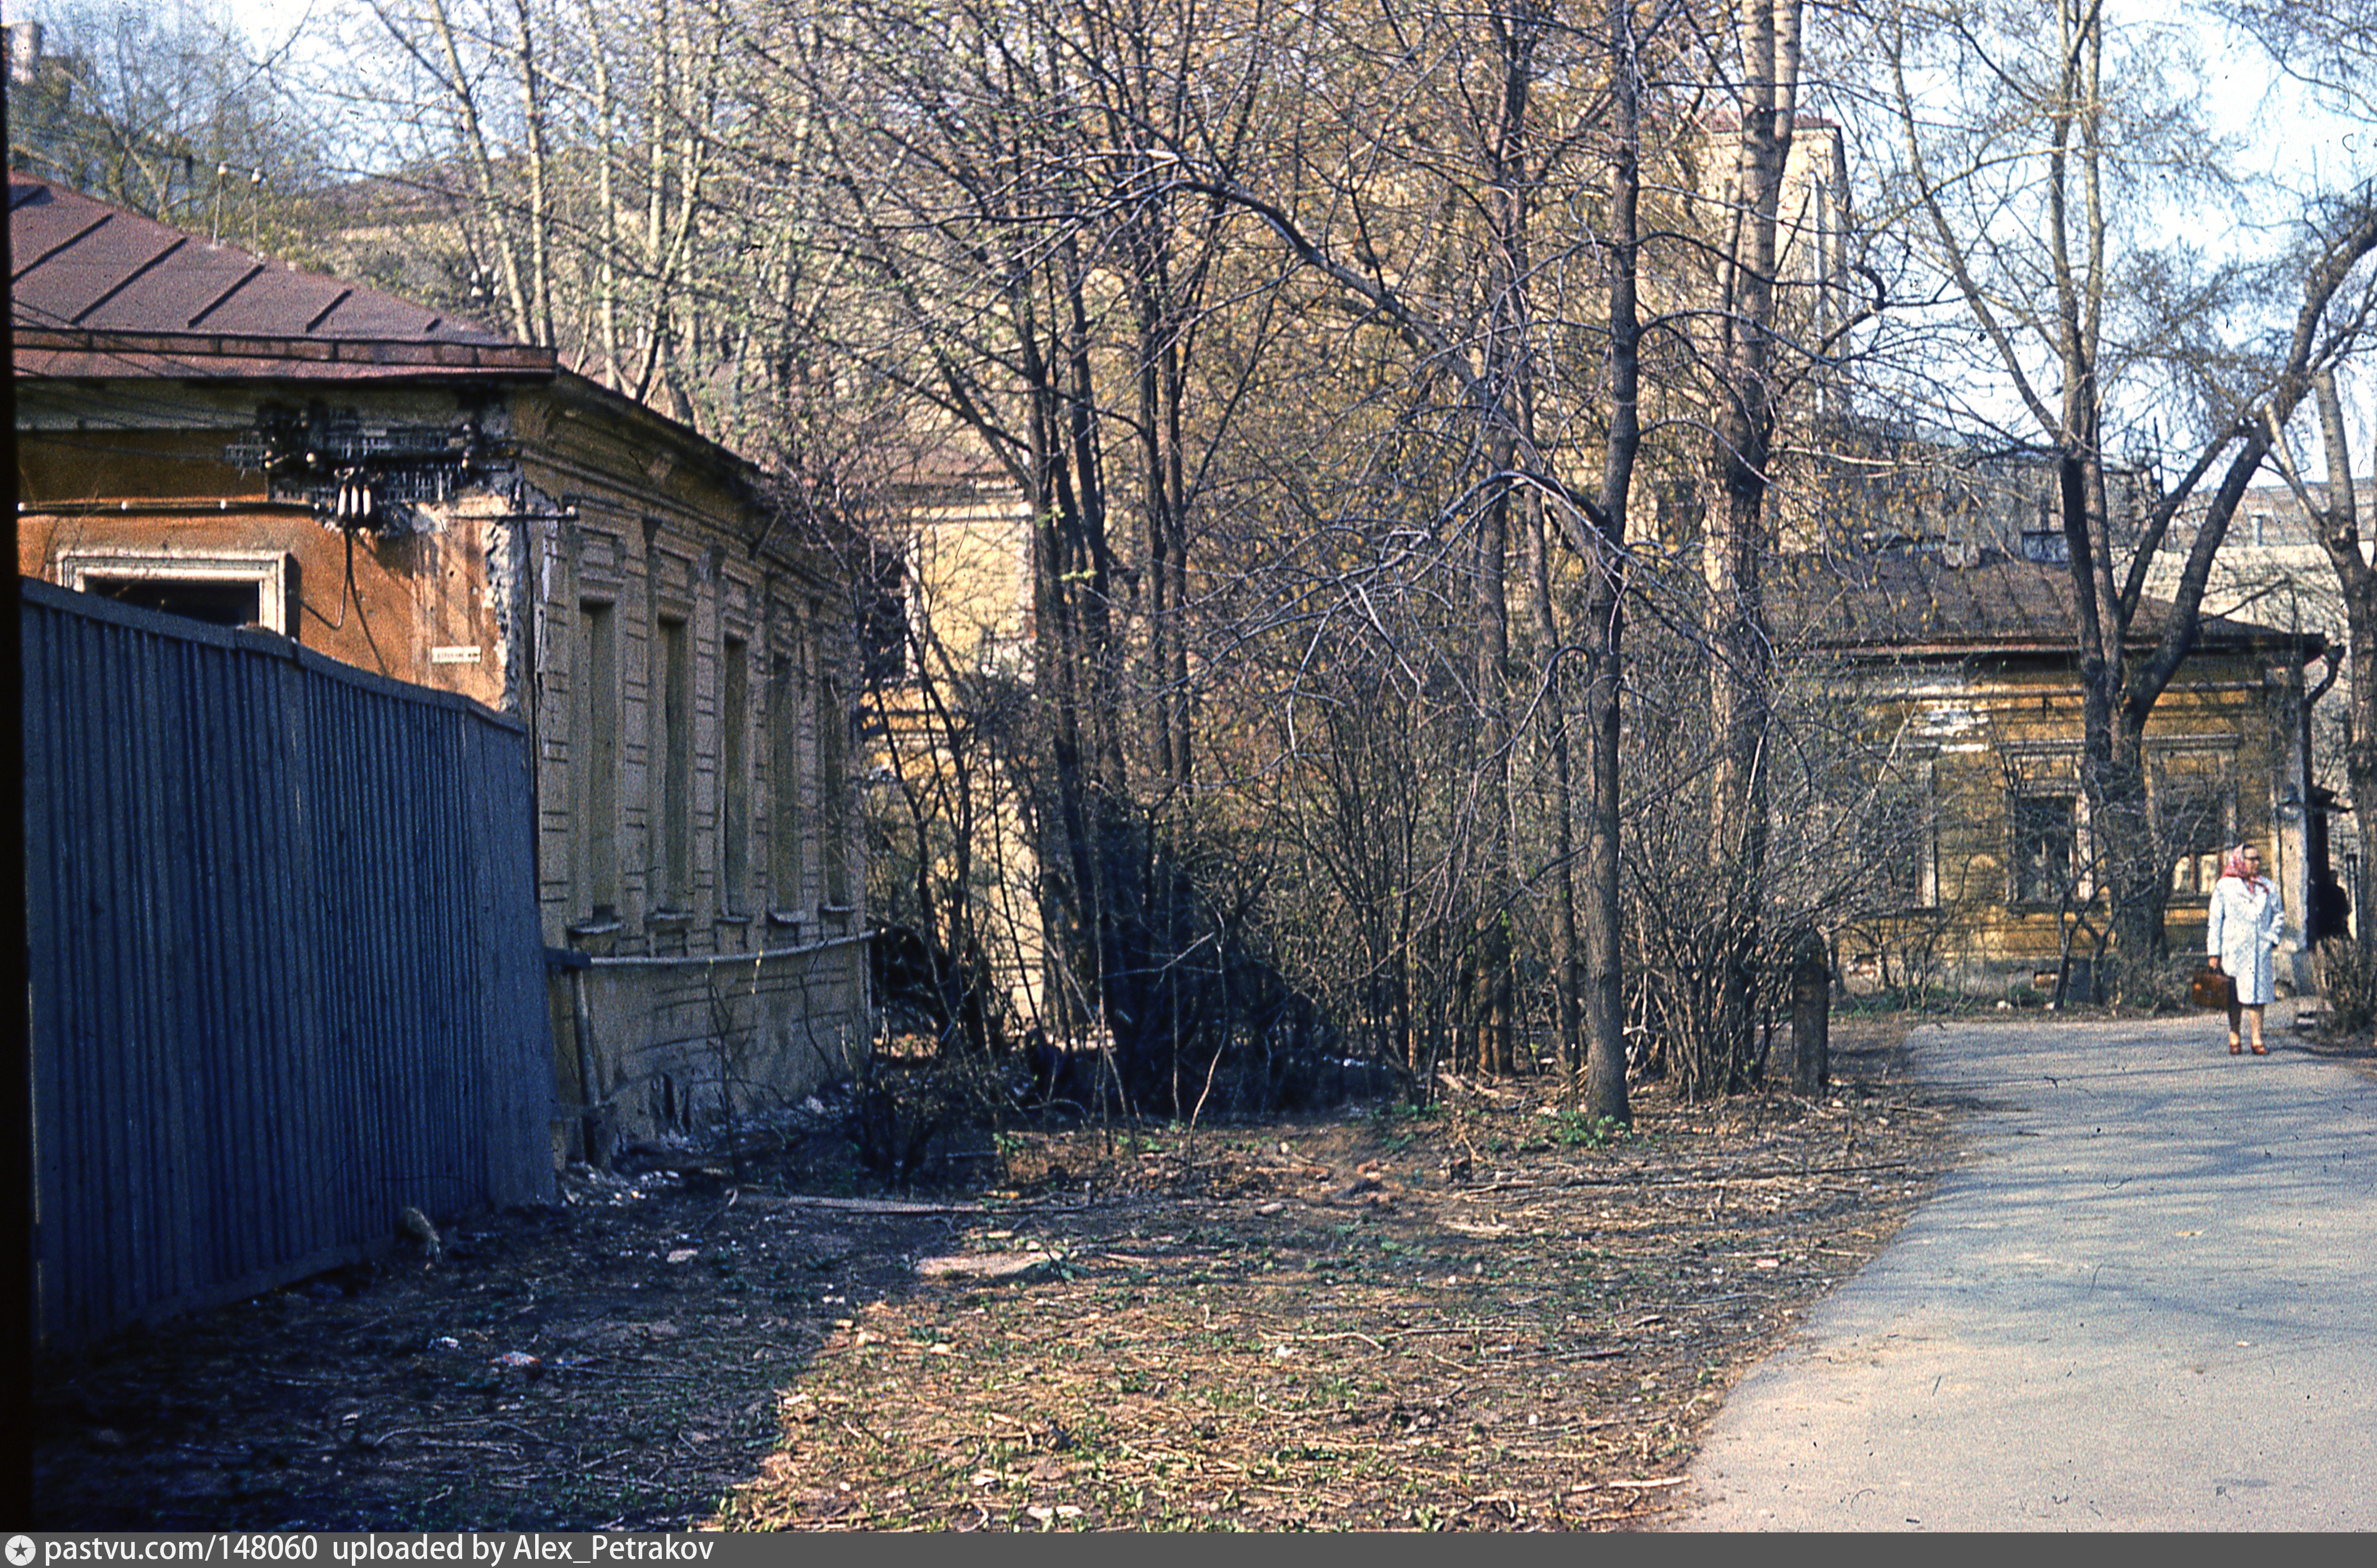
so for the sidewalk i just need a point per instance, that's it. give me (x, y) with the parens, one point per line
(2147, 1300)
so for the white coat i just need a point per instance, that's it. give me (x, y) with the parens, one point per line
(2242, 933)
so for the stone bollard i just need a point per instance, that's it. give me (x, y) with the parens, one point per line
(1812, 1015)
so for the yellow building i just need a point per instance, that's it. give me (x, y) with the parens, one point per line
(1966, 699)
(953, 714)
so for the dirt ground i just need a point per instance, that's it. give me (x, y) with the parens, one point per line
(1482, 1316)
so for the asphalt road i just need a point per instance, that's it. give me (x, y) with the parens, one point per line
(2146, 1300)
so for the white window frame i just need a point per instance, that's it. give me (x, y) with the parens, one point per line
(1916, 785)
(272, 572)
(2047, 769)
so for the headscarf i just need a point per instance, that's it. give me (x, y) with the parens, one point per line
(2233, 864)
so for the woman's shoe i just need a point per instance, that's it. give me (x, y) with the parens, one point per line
(2258, 1050)
(2236, 1047)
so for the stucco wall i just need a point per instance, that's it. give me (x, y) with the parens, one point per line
(649, 1048)
(746, 844)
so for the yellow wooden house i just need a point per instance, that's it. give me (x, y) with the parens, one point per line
(1961, 685)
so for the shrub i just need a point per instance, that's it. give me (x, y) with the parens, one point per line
(2347, 974)
(2160, 988)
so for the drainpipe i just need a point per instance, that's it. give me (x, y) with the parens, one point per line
(2291, 810)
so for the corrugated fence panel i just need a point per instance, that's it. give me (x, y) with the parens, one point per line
(286, 971)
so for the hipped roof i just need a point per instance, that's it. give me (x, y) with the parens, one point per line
(1901, 604)
(98, 292)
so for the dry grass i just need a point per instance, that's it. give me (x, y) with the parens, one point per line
(1485, 1316)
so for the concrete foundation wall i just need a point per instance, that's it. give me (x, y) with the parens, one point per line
(653, 1047)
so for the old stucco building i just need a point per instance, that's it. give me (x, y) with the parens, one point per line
(212, 432)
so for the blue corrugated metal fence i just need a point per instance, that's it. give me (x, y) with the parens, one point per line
(286, 971)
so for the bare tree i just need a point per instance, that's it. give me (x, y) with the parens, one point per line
(2325, 53)
(1022, 272)
(1748, 372)
(2078, 310)
(2333, 509)
(1493, 139)
(173, 113)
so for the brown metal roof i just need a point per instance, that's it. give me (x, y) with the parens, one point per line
(100, 291)
(1907, 602)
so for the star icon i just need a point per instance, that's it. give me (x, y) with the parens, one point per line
(20, 1550)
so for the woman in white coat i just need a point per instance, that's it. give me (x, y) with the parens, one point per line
(2241, 938)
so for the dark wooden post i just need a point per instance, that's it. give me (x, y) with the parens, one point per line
(1811, 1014)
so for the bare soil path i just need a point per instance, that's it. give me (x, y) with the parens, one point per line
(1479, 1317)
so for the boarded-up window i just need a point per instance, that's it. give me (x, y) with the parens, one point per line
(734, 775)
(673, 698)
(787, 822)
(833, 792)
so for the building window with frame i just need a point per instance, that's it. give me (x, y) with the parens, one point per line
(2194, 817)
(833, 794)
(2046, 546)
(594, 761)
(1905, 859)
(672, 707)
(225, 588)
(787, 820)
(2046, 847)
(734, 774)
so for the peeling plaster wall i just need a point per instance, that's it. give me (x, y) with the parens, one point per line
(664, 1049)
(508, 597)
(579, 498)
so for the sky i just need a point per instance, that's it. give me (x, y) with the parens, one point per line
(2292, 134)
(269, 22)
(2296, 140)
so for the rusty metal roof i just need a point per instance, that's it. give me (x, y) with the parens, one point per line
(100, 292)
(1904, 603)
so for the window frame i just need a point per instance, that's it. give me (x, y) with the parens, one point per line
(789, 813)
(2018, 894)
(669, 688)
(2204, 766)
(596, 759)
(274, 573)
(1914, 788)
(734, 774)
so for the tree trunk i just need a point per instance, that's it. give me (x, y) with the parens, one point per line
(2335, 518)
(1739, 678)
(1603, 551)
